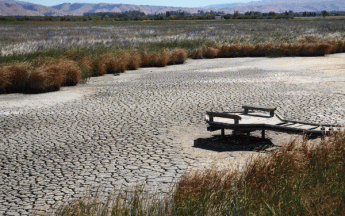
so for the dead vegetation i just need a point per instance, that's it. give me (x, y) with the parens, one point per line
(48, 74)
(304, 47)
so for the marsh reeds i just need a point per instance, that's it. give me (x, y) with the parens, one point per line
(134, 60)
(17, 76)
(298, 178)
(303, 47)
(77, 65)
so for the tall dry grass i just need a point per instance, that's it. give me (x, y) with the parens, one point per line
(50, 74)
(46, 74)
(155, 59)
(134, 60)
(303, 47)
(5, 78)
(178, 56)
(15, 77)
(296, 179)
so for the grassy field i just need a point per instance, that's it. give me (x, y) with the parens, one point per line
(297, 179)
(96, 48)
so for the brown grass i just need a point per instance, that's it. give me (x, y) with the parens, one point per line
(5, 81)
(261, 49)
(134, 60)
(86, 63)
(99, 66)
(178, 56)
(71, 71)
(14, 78)
(197, 54)
(210, 52)
(122, 61)
(197, 183)
(17, 76)
(50, 74)
(149, 59)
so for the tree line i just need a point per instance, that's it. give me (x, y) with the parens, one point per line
(172, 15)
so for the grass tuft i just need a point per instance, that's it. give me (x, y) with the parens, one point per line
(178, 56)
(17, 75)
(134, 60)
(50, 74)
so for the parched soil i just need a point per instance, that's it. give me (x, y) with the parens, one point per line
(147, 126)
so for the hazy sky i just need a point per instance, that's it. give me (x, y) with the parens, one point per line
(175, 3)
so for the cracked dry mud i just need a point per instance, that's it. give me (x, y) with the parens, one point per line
(139, 127)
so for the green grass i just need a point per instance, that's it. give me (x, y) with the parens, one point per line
(297, 179)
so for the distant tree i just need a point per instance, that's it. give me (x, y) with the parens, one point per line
(324, 13)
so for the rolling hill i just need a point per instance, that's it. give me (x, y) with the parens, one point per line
(20, 8)
(283, 5)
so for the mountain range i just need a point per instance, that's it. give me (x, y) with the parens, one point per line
(20, 8)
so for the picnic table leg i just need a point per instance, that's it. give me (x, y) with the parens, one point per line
(263, 134)
(223, 132)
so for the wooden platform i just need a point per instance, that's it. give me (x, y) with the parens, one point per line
(246, 122)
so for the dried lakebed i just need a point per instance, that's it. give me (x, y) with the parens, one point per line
(146, 126)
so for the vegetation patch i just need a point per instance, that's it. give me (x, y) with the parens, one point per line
(296, 179)
(121, 46)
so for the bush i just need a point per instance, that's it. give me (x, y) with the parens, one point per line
(134, 60)
(178, 56)
(50, 74)
(17, 76)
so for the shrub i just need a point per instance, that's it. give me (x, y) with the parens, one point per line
(265, 49)
(275, 52)
(229, 50)
(197, 54)
(149, 59)
(178, 56)
(71, 71)
(99, 65)
(5, 81)
(85, 65)
(18, 75)
(121, 61)
(49, 75)
(210, 52)
(134, 60)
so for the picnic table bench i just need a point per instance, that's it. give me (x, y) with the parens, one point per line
(246, 122)
(262, 108)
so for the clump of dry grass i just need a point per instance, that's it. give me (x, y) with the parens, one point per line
(116, 63)
(210, 52)
(262, 49)
(16, 77)
(99, 64)
(149, 59)
(46, 74)
(50, 74)
(164, 58)
(309, 46)
(86, 63)
(197, 54)
(134, 60)
(155, 59)
(5, 81)
(178, 56)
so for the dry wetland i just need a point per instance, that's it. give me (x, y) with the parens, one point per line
(136, 144)
(96, 49)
